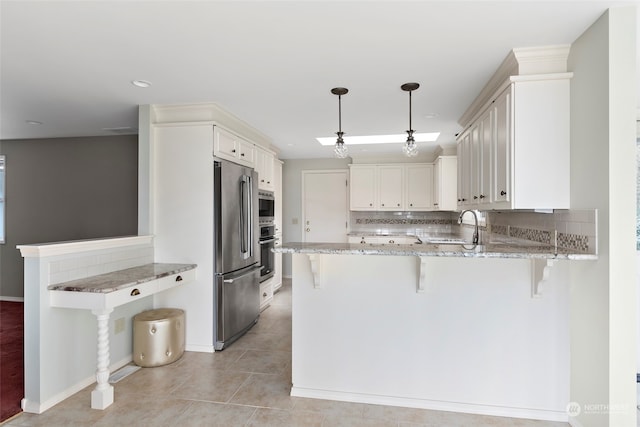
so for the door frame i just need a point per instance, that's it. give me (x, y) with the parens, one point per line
(302, 199)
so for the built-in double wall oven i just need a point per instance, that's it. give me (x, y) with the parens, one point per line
(267, 240)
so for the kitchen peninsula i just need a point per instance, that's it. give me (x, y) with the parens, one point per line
(486, 332)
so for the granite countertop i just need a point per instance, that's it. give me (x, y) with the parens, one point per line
(116, 280)
(489, 250)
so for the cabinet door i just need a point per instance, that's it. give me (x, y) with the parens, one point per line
(419, 185)
(475, 162)
(390, 184)
(224, 144)
(268, 171)
(262, 157)
(277, 275)
(362, 195)
(501, 188)
(445, 183)
(486, 140)
(464, 172)
(277, 194)
(246, 152)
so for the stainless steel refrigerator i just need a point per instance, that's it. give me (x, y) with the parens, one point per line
(236, 252)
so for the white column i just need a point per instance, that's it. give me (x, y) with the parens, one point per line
(102, 395)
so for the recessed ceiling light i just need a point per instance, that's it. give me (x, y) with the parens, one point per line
(33, 122)
(381, 139)
(141, 83)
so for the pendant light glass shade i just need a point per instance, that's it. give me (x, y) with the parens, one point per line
(341, 151)
(410, 148)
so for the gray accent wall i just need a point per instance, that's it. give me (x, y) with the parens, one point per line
(66, 189)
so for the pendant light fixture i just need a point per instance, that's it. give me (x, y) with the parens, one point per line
(340, 149)
(410, 148)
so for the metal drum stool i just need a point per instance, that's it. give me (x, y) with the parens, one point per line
(158, 337)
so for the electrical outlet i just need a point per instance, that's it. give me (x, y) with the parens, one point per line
(118, 325)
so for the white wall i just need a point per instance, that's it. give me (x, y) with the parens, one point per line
(474, 341)
(292, 197)
(603, 295)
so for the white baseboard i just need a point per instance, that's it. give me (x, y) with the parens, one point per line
(38, 408)
(12, 299)
(499, 411)
(199, 348)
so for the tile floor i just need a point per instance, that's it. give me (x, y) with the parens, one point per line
(247, 384)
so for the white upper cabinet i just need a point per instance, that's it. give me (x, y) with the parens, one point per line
(514, 151)
(233, 148)
(265, 168)
(390, 180)
(445, 183)
(525, 134)
(419, 187)
(363, 195)
(277, 194)
(391, 187)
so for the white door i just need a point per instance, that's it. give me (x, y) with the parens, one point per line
(325, 209)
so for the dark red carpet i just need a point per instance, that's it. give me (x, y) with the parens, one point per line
(11, 358)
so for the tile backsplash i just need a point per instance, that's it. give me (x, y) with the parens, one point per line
(416, 223)
(571, 229)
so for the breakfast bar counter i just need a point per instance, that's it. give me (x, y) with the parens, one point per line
(469, 328)
(497, 249)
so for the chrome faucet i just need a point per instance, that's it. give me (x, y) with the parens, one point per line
(475, 231)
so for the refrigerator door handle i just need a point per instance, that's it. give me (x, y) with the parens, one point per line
(246, 216)
(246, 273)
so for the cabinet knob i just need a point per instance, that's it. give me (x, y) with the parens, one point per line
(503, 193)
(308, 230)
(482, 196)
(135, 292)
(242, 154)
(410, 204)
(370, 204)
(362, 242)
(475, 197)
(233, 151)
(179, 279)
(398, 204)
(383, 204)
(464, 200)
(264, 294)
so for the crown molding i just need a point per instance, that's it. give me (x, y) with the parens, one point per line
(519, 62)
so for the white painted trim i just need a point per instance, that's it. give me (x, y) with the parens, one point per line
(199, 348)
(438, 405)
(519, 61)
(77, 246)
(12, 299)
(39, 408)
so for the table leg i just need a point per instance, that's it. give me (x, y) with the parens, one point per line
(102, 395)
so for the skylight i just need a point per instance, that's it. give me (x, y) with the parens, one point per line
(380, 139)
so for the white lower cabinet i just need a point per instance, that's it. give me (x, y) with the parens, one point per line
(382, 240)
(277, 275)
(266, 293)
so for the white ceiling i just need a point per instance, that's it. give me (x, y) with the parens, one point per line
(69, 64)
